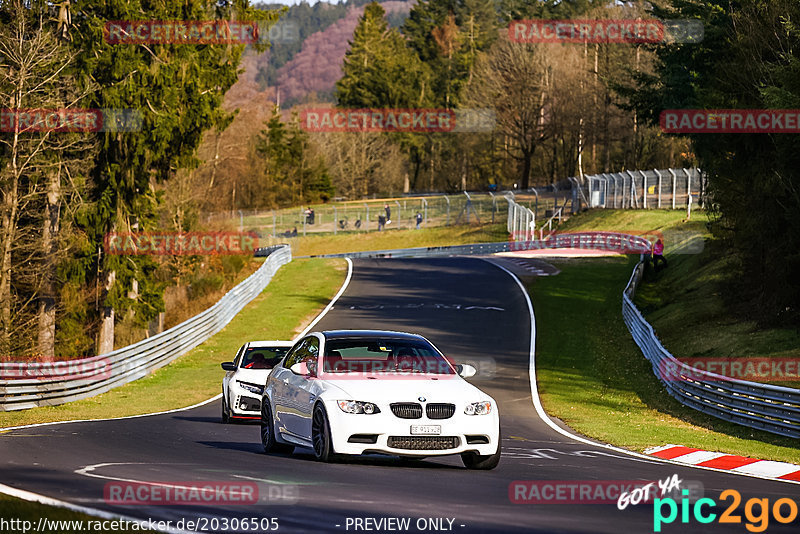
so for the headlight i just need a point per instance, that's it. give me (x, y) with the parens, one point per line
(478, 408)
(252, 388)
(350, 406)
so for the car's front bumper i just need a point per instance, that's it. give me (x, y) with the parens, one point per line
(245, 405)
(386, 433)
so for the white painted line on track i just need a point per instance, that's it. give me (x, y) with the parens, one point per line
(537, 403)
(57, 503)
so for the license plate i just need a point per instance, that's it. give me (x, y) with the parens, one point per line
(426, 430)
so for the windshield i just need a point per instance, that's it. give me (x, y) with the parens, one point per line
(262, 357)
(384, 355)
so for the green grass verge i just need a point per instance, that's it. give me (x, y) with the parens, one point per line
(295, 295)
(314, 245)
(592, 375)
(631, 220)
(686, 304)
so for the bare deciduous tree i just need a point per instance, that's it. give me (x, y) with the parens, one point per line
(36, 175)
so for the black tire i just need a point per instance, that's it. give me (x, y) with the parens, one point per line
(482, 462)
(226, 416)
(268, 439)
(321, 435)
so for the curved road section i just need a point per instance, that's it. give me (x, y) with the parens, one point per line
(475, 312)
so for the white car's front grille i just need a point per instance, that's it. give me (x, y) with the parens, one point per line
(423, 443)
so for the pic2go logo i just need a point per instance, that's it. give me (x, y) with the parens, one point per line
(783, 510)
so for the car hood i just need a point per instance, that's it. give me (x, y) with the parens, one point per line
(254, 376)
(448, 388)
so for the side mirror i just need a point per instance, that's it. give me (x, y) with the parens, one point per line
(466, 370)
(300, 368)
(229, 366)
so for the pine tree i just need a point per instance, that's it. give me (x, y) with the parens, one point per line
(178, 90)
(379, 70)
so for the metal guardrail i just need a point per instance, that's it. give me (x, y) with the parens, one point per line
(766, 407)
(134, 361)
(423, 252)
(609, 241)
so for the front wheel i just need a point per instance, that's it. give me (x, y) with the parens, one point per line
(268, 431)
(477, 461)
(321, 435)
(226, 416)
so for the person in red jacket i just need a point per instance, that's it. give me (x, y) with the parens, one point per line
(658, 254)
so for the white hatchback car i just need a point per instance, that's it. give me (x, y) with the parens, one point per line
(246, 375)
(355, 392)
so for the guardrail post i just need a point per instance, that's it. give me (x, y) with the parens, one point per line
(632, 192)
(644, 189)
(658, 173)
(689, 208)
(688, 187)
(674, 186)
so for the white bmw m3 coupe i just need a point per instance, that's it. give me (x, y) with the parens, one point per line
(351, 392)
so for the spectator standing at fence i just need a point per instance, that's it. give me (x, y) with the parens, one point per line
(388, 213)
(419, 219)
(381, 222)
(658, 254)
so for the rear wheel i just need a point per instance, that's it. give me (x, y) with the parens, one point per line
(321, 435)
(268, 439)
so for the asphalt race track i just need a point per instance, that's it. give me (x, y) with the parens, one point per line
(473, 311)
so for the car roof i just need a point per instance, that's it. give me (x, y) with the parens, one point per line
(268, 344)
(384, 334)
